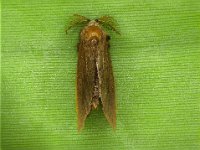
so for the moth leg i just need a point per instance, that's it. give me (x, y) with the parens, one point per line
(75, 20)
(108, 37)
(109, 22)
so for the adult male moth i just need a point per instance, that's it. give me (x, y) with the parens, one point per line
(95, 81)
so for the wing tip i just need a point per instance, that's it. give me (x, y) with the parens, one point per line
(81, 118)
(111, 119)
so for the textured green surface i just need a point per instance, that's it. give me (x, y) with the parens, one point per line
(156, 65)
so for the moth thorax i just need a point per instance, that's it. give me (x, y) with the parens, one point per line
(92, 31)
(94, 41)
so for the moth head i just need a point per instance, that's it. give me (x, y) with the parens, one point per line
(93, 23)
(105, 21)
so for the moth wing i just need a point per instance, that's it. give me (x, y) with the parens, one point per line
(107, 88)
(85, 82)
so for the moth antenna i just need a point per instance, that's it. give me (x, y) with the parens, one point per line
(76, 20)
(108, 22)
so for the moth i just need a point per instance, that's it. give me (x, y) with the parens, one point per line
(95, 81)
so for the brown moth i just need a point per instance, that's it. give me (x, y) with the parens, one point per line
(95, 81)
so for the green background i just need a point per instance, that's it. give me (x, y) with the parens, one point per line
(156, 63)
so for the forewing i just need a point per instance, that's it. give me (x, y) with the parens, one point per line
(85, 82)
(107, 87)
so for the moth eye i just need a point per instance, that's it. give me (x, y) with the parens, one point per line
(97, 20)
(107, 37)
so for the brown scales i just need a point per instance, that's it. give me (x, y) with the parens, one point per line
(95, 81)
